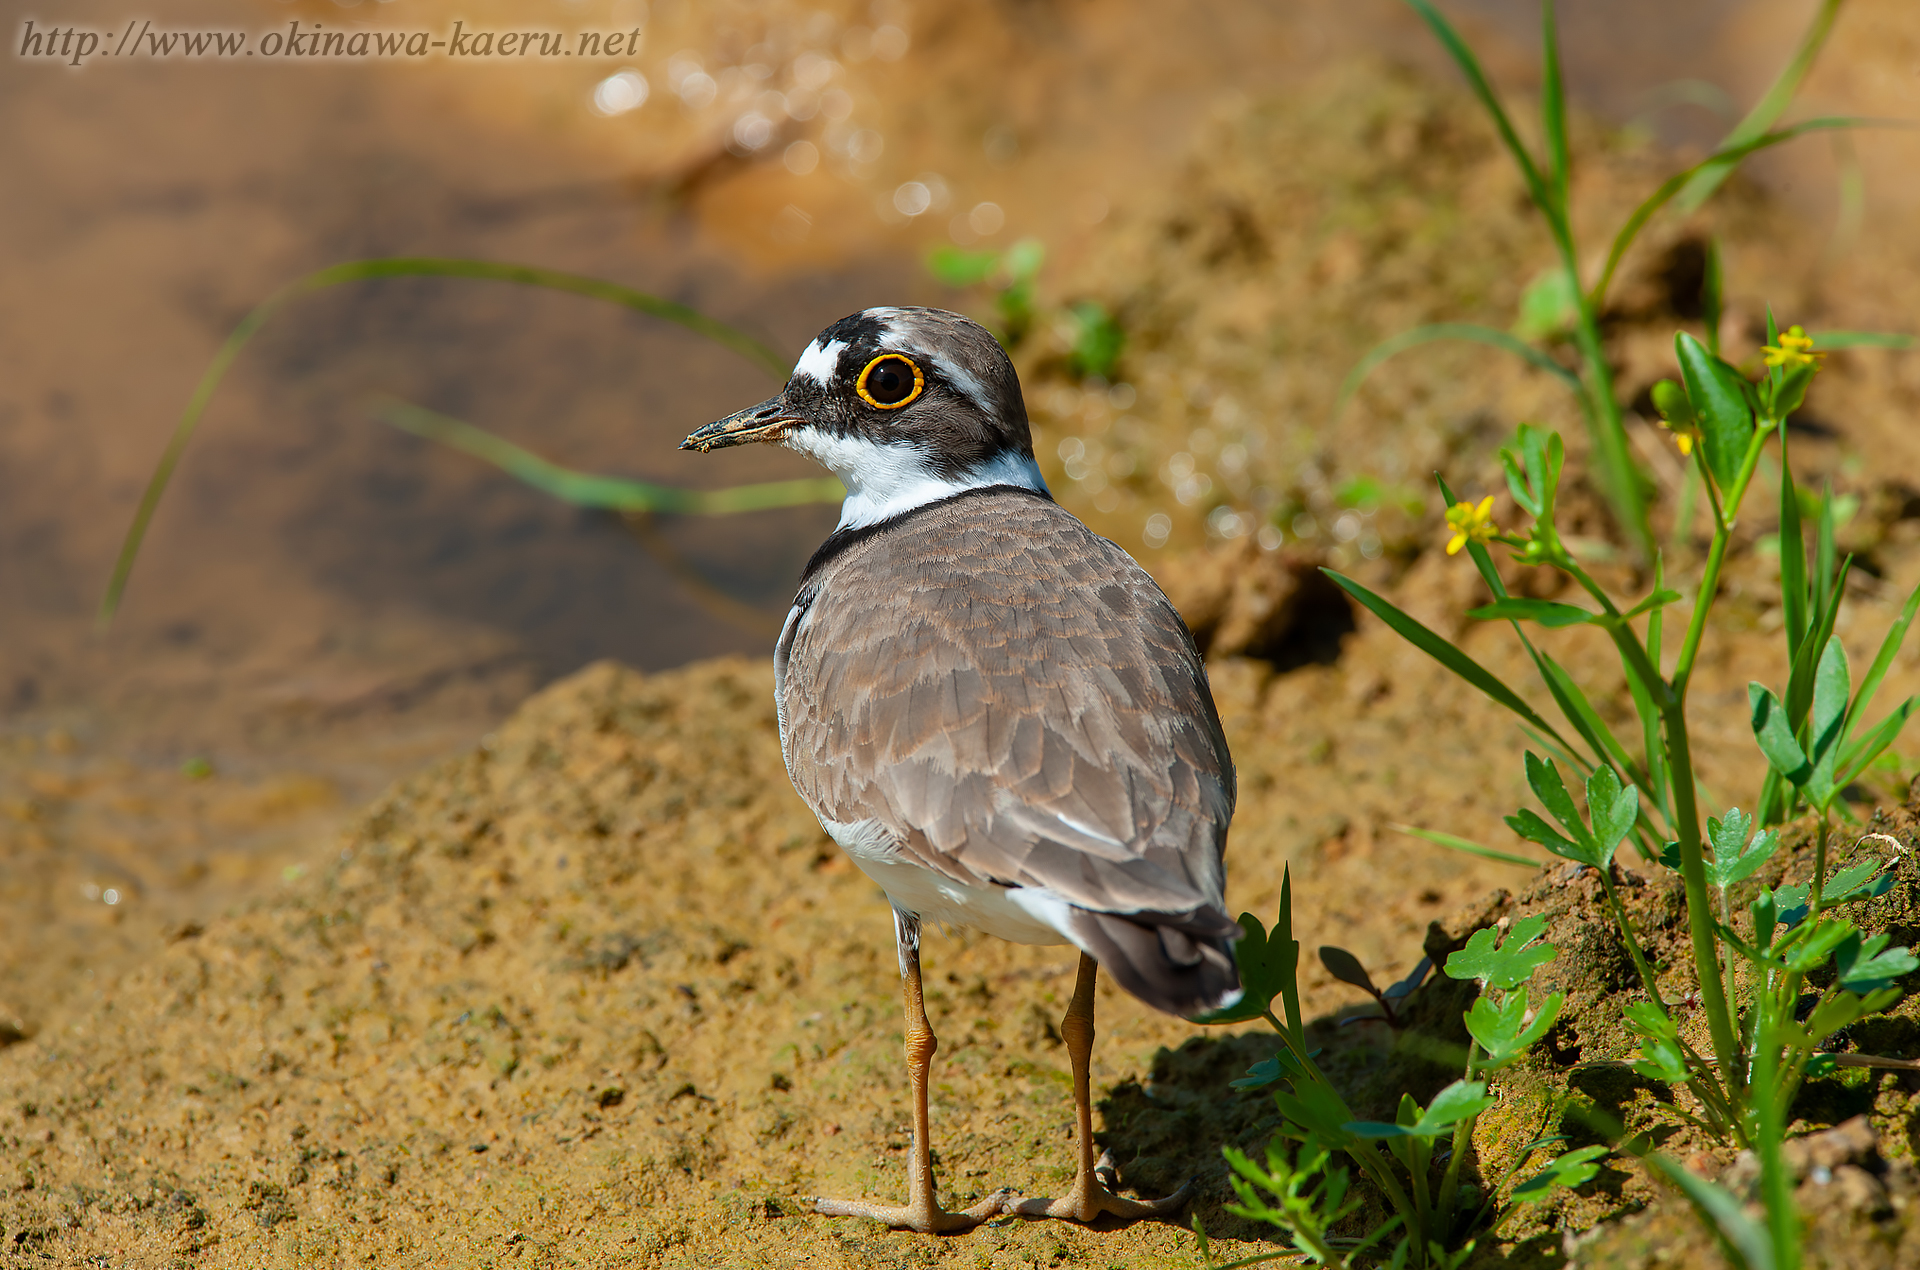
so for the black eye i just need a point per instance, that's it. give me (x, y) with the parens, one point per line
(889, 381)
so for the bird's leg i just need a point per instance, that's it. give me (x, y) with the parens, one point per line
(1091, 1194)
(922, 1211)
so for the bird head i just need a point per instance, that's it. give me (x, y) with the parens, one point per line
(904, 405)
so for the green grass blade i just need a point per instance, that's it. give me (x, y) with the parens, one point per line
(1553, 112)
(1442, 651)
(1477, 80)
(1824, 549)
(1435, 331)
(1464, 844)
(1867, 339)
(1768, 108)
(395, 267)
(1748, 1244)
(612, 493)
(1585, 720)
(1793, 560)
(1855, 757)
(1800, 679)
(1730, 153)
(1882, 662)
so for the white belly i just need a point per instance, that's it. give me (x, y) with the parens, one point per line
(1023, 915)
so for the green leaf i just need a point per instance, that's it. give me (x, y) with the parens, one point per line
(1735, 856)
(1806, 664)
(1024, 258)
(1545, 612)
(1346, 967)
(1268, 1071)
(1438, 648)
(1815, 946)
(1543, 777)
(1314, 1106)
(1792, 392)
(957, 267)
(1450, 1106)
(1670, 402)
(1661, 1057)
(1575, 1168)
(1830, 693)
(1613, 809)
(1649, 1020)
(1662, 1060)
(1528, 825)
(1503, 1031)
(1860, 880)
(1265, 967)
(1719, 396)
(1549, 306)
(1865, 968)
(1775, 735)
(1097, 340)
(1504, 966)
(1789, 904)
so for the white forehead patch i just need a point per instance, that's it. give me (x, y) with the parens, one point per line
(821, 362)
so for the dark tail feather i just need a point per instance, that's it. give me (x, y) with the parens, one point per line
(1180, 963)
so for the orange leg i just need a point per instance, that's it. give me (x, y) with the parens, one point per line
(922, 1211)
(1091, 1194)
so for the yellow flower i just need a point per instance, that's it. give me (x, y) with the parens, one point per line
(1794, 351)
(1470, 523)
(1685, 441)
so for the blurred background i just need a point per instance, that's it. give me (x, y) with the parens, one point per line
(1195, 216)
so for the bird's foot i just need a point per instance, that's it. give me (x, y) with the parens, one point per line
(1092, 1195)
(928, 1218)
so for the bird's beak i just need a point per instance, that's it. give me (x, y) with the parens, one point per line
(767, 421)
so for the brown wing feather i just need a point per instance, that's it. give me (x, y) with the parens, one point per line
(1017, 700)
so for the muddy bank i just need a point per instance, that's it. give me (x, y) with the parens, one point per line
(599, 990)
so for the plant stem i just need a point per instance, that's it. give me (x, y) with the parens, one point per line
(1462, 1136)
(1364, 1154)
(1603, 412)
(1776, 1187)
(1693, 870)
(1633, 945)
(1819, 870)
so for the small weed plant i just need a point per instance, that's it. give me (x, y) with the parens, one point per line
(1774, 981)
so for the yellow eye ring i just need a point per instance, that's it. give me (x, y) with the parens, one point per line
(919, 382)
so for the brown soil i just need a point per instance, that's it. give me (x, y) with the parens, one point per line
(599, 990)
